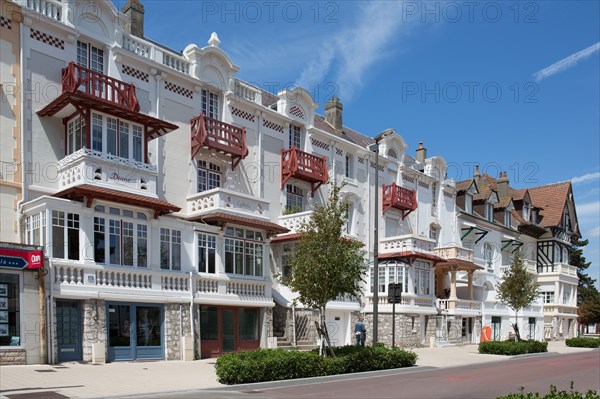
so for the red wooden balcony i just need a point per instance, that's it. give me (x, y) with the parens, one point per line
(399, 198)
(303, 166)
(220, 136)
(84, 89)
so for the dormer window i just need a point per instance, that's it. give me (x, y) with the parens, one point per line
(507, 218)
(210, 104)
(534, 216)
(468, 203)
(526, 211)
(489, 212)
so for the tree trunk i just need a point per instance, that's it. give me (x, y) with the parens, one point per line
(516, 327)
(324, 335)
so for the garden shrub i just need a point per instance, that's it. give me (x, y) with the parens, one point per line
(583, 342)
(553, 394)
(277, 364)
(511, 348)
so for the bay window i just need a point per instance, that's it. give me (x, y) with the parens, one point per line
(391, 272)
(243, 252)
(117, 137)
(422, 277)
(76, 135)
(122, 240)
(207, 248)
(170, 249)
(65, 235)
(35, 229)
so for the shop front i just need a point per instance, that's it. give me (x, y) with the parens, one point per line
(135, 331)
(228, 329)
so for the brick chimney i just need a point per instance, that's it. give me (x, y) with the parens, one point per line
(134, 11)
(333, 113)
(421, 153)
(502, 185)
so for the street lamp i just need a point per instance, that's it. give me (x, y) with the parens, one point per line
(385, 134)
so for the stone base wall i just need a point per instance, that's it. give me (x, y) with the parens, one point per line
(282, 317)
(177, 323)
(94, 325)
(408, 329)
(13, 357)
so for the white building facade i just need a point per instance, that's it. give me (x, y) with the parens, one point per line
(167, 194)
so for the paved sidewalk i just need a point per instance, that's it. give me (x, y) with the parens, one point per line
(76, 380)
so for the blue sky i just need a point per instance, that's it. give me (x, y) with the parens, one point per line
(508, 85)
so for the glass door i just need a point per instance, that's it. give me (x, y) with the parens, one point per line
(68, 331)
(148, 333)
(120, 345)
(228, 330)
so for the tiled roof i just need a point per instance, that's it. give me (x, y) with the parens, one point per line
(346, 133)
(458, 264)
(503, 203)
(551, 199)
(223, 218)
(411, 255)
(484, 193)
(518, 195)
(92, 192)
(286, 238)
(464, 185)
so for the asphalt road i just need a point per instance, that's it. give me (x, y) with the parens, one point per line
(536, 373)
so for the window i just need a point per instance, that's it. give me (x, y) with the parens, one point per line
(243, 252)
(534, 216)
(391, 272)
(210, 104)
(10, 312)
(468, 203)
(349, 218)
(566, 297)
(295, 137)
(531, 334)
(207, 248)
(548, 296)
(35, 229)
(121, 241)
(209, 323)
(288, 252)
(89, 56)
(65, 235)
(433, 233)
(294, 199)
(489, 211)
(248, 324)
(349, 169)
(496, 325)
(526, 211)
(434, 202)
(422, 277)
(488, 255)
(117, 137)
(209, 176)
(76, 136)
(170, 249)
(507, 218)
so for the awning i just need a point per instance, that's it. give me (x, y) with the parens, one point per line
(286, 238)
(77, 101)
(223, 218)
(90, 192)
(410, 256)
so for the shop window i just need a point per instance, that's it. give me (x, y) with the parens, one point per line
(248, 324)
(10, 316)
(209, 325)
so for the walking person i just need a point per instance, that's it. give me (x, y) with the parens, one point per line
(360, 331)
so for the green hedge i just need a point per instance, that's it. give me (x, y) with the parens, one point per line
(511, 347)
(277, 364)
(553, 394)
(584, 342)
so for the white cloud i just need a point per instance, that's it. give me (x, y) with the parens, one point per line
(353, 49)
(586, 177)
(588, 209)
(566, 63)
(593, 233)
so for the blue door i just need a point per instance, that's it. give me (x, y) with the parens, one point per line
(135, 332)
(68, 330)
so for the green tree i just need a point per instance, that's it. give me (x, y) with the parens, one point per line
(326, 265)
(517, 289)
(588, 311)
(587, 288)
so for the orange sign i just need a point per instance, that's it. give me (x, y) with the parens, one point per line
(486, 334)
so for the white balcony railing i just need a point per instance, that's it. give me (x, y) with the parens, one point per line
(156, 53)
(247, 92)
(558, 268)
(223, 199)
(294, 221)
(455, 252)
(53, 9)
(406, 242)
(407, 300)
(87, 166)
(450, 304)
